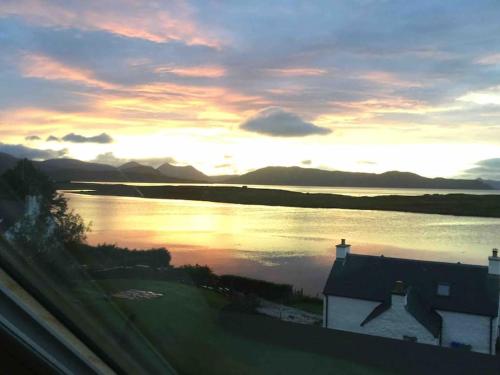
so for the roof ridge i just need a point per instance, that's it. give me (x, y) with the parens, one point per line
(419, 260)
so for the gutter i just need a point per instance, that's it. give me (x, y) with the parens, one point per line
(491, 335)
(326, 310)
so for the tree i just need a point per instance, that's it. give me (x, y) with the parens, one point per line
(26, 180)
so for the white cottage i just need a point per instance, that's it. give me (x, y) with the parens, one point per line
(445, 304)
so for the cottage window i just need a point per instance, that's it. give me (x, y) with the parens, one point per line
(443, 289)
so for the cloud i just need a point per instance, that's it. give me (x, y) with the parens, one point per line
(32, 138)
(488, 169)
(111, 159)
(483, 97)
(45, 67)
(77, 138)
(492, 59)
(224, 165)
(155, 22)
(194, 71)
(52, 138)
(366, 162)
(296, 72)
(20, 151)
(277, 122)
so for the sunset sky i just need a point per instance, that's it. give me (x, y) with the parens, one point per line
(361, 85)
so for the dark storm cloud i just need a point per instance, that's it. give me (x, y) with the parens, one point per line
(21, 151)
(280, 123)
(77, 138)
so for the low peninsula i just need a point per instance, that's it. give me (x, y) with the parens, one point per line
(444, 204)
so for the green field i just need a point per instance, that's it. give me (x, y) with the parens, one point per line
(184, 327)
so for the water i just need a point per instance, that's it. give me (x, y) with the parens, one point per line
(281, 244)
(354, 191)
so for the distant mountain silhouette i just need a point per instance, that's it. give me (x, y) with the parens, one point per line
(184, 173)
(131, 164)
(134, 167)
(318, 177)
(77, 170)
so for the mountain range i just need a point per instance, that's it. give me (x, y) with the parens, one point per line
(317, 177)
(64, 170)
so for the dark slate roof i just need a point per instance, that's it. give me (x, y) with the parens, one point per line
(423, 312)
(378, 310)
(367, 277)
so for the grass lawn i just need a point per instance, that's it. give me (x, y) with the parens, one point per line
(183, 327)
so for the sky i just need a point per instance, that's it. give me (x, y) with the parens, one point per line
(360, 85)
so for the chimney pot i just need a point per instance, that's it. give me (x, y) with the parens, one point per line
(342, 249)
(494, 263)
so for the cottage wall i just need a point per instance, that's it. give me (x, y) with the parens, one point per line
(396, 323)
(346, 314)
(468, 329)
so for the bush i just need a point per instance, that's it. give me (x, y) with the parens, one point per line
(199, 275)
(107, 256)
(263, 289)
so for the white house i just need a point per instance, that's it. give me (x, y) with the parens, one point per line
(437, 303)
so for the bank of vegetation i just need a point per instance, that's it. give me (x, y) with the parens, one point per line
(445, 204)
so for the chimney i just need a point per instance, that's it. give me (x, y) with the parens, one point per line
(494, 263)
(342, 249)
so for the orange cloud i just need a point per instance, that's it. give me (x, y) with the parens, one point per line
(41, 66)
(354, 112)
(386, 78)
(156, 22)
(180, 101)
(194, 71)
(296, 72)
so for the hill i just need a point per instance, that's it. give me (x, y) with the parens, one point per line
(65, 169)
(318, 177)
(134, 168)
(77, 170)
(182, 172)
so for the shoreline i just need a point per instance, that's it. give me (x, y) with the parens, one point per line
(459, 204)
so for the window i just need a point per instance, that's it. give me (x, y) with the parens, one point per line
(443, 289)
